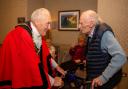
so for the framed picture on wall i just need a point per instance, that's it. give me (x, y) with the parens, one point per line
(68, 20)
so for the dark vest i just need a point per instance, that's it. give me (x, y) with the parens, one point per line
(97, 60)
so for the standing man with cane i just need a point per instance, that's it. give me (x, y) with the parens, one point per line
(105, 56)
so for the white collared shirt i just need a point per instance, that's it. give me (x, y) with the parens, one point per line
(38, 42)
(92, 31)
(36, 36)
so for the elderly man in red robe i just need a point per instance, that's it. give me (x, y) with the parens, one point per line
(25, 61)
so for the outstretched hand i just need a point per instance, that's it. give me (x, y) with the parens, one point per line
(60, 70)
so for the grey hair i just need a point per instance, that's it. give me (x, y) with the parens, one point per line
(39, 14)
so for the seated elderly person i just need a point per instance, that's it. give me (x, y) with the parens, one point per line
(77, 51)
(77, 55)
(77, 61)
(52, 49)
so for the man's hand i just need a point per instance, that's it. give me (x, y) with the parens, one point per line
(59, 69)
(58, 82)
(96, 82)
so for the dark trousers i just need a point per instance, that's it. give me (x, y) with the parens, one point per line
(69, 65)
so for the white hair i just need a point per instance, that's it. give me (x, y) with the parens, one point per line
(91, 15)
(39, 14)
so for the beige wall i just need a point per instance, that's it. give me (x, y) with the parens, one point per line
(11, 9)
(67, 37)
(32, 5)
(115, 13)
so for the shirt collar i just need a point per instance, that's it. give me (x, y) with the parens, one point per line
(34, 30)
(36, 36)
(92, 32)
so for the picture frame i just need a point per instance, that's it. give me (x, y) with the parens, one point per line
(68, 20)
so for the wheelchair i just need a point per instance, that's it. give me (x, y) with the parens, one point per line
(75, 77)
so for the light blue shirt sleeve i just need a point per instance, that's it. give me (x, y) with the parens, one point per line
(54, 64)
(111, 45)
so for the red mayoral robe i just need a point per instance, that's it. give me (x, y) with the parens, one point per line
(19, 61)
